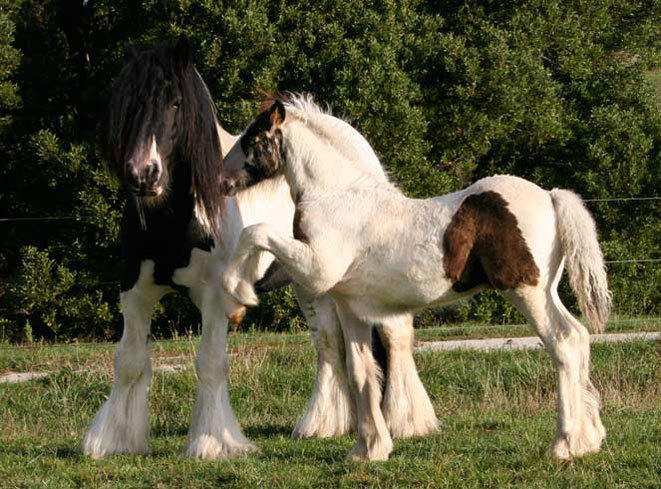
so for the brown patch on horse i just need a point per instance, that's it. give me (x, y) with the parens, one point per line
(483, 243)
(299, 234)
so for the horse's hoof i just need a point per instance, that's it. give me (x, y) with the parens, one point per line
(212, 448)
(378, 453)
(245, 294)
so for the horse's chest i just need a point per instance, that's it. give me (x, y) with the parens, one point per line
(168, 243)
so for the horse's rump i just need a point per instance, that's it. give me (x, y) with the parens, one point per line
(484, 243)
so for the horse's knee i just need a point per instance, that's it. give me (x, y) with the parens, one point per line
(212, 370)
(570, 348)
(131, 364)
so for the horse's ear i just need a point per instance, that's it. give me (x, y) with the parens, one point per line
(182, 53)
(277, 113)
(131, 51)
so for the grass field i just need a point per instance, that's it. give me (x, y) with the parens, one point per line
(497, 411)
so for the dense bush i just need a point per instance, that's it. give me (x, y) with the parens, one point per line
(445, 91)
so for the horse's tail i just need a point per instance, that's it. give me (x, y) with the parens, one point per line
(585, 262)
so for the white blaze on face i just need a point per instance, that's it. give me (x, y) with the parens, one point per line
(155, 157)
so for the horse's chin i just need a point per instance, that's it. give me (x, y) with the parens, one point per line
(152, 197)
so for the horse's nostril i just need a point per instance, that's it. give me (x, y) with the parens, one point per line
(133, 177)
(153, 172)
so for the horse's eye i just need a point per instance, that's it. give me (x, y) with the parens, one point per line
(175, 106)
(245, 146)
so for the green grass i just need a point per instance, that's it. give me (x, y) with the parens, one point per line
(497, 411)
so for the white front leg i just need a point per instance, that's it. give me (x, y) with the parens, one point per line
(374, 441)
(122, 423)
(214, 432)
(300, 260)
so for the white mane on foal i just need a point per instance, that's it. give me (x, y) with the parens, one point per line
(337, 132)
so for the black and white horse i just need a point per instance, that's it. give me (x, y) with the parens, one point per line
(382, 255)
(178, 232)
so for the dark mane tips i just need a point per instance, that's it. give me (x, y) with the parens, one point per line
(202, 145)
(202, 148)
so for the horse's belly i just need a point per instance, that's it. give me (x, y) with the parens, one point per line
(411, 280)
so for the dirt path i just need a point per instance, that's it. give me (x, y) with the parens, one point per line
(524, 343)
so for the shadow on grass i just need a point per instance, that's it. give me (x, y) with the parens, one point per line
(63, 452)
(258, 431)
(70, 453)
(161, 431)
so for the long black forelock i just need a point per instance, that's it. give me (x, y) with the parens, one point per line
(155, 76)
(137, 96)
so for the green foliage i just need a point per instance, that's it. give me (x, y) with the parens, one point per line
(446, 93)
(278, 311)
(46, 292)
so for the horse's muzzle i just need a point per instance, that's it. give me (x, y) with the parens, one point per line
(145, 182)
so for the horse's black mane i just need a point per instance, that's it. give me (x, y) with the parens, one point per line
(158, 75)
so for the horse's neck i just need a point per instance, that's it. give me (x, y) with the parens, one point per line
(227, 140)
(313, 162)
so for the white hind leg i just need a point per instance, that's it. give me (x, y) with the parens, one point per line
(579, 430)
(330, 410)
(406, 405)
(374, 441)
(122, 423)
(214, 431)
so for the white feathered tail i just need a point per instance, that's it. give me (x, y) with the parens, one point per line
(585, 262)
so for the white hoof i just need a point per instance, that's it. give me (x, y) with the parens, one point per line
(573, 445)
(210, 447)
(311, 425)
(215, 432)
(245, 294)
(242, 291)
(407, 409)
(378, 452)
(108, 435)
(414, 422)
(97, 447)
(330, 414)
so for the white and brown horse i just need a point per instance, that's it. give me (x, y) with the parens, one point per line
(382, 256)
(178, 232)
